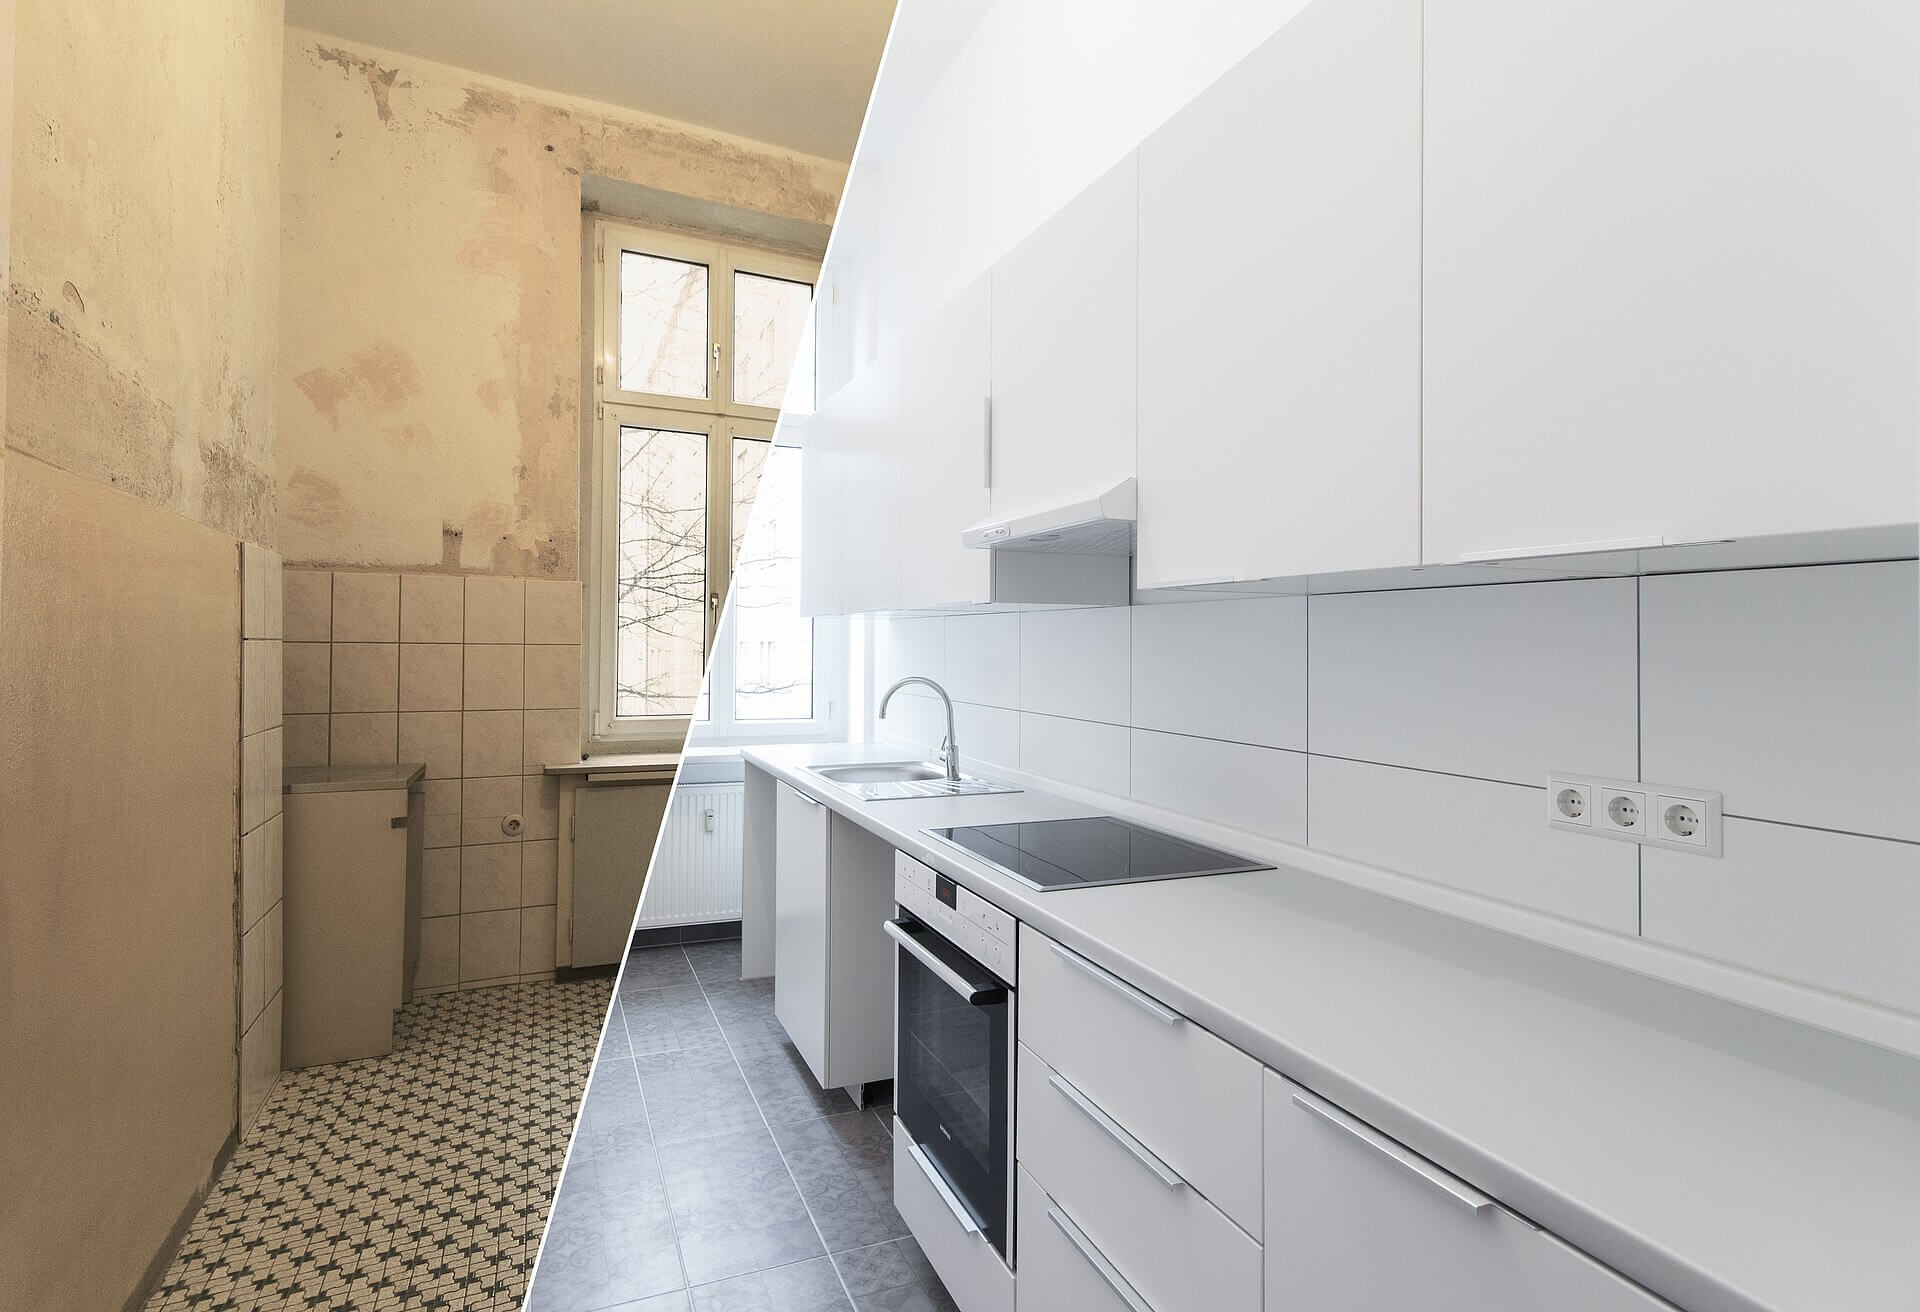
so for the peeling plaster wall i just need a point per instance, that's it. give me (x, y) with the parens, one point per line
(141, 386)
(430, 340)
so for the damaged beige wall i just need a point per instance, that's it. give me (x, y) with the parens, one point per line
(141, 378)
(430, 336)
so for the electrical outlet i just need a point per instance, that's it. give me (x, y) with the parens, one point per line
(1630, 811)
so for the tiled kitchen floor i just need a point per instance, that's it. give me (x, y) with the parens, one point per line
(709, 1173)
(416, 1180)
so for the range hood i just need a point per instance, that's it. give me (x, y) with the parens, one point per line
(1093, 523)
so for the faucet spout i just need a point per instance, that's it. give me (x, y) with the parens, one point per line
(949, 750)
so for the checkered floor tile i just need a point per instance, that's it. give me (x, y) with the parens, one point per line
(417, 1180)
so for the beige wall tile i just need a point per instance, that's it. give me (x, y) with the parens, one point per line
(553, 678)
(260, 603)
(306, 680)
(536, 940)
(276, 858)
(489, 944)
(260, 684)
(253, 782)
(432, 608)
(430, 675)
(259, 1063)
(366, 676)
(495, 675)
(552, 738)
(366, 608)
(538, 863)
(273, 923)
(434, 738)
(540, 795)
(364, 738)
(489, 877)
(496, 610)
(306, 613)
(440, 882)
(490, 743)
(253, 972)
(439, 952)
(253, 876)
(484, 803)
(443, 813)
(306, 737)
(273, 764)
(553, 611)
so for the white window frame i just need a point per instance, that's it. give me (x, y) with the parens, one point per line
(721, 421)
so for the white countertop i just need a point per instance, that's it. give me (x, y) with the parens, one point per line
(1726, 1158)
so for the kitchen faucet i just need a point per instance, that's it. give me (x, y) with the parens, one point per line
(949, 750)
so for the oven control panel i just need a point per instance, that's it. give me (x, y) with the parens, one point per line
(969, 921)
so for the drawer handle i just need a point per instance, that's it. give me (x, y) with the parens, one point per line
(1451, 1185)
(1097, 1260)
(1164, 1014)
(1141, 1153)
(961, 1213)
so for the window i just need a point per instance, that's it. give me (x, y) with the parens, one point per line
(697, 347)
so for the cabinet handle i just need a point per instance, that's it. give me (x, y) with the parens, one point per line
(810, 801)
(961, 1213)
(1098, 1261)
(1115, 1131)
(1563, 549)
(986, 443)
(1164, 1014)
(1447, 1183)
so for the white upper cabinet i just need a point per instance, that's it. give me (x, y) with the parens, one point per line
(1280, 308)
(1669, 270)
(822, 462)
(1064, 337)
(944, 389)
(868, 495)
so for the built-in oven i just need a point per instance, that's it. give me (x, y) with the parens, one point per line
(954, 1047)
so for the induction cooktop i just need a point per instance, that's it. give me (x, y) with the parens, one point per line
(1088, 852)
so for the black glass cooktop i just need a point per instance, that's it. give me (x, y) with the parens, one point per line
(1090, 851)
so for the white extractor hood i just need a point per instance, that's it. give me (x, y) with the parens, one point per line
(1093, 523)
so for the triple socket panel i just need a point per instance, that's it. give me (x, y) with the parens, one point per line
(1660, 815)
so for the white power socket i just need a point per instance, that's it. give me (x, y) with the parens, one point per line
(1662, 815)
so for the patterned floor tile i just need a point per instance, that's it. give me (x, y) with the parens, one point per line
(843, 1165)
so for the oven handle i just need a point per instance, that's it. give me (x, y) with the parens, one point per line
(984, 992)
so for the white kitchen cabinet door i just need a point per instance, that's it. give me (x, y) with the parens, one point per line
(1567, 1280)
(1064, 343)
(867, 497)
(944, 389)
(1669, 270)
(803, 857)
(1355, 1220)
(1280, 308)
(823, 462)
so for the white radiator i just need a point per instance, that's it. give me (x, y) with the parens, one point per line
(696, 865)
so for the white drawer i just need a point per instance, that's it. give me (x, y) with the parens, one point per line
(1191, 1098)
(1176, 1250)
(1060, 1269)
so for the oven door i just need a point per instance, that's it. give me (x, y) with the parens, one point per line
(953, 1073)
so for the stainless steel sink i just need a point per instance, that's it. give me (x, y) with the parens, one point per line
(897, 780)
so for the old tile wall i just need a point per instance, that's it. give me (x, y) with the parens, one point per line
(259, 902)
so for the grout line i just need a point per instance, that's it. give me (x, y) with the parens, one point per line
(633, 1060)
(775, 1140)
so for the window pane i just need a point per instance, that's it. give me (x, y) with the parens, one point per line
(773, 641)
(663, 325)
(749, 458)
(660, 595)
(769, 323)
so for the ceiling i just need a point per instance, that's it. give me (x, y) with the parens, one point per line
(795, 73)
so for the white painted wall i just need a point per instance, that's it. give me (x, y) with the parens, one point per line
(1412, 730)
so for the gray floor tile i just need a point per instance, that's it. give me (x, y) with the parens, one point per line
(717, 962)
(611, 1239)
(784, 1087)
(741, 1002)
(892, 1277)
(654, 968)
(812, 1286)
(672, 1020)
(843, 1165)
(695, 1095)
(735, 1206)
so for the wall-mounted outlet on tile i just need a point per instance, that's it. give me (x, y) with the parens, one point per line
(1664, 815)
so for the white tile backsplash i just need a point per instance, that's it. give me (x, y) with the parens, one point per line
(1076, 663)
(1504, 682)
(1834, 910)
(905, 645)
(1795, 692)
(1259, 789)
(1486, 838)
(1233, 670)
(1081, 752)
(989, 736)
(983, 659)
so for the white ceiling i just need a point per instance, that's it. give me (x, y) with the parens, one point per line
(795, 73)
